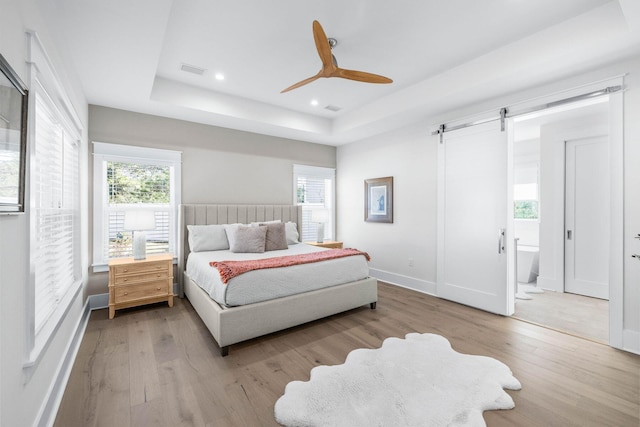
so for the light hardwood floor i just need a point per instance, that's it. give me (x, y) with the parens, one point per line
(576, 314)
(158, 366)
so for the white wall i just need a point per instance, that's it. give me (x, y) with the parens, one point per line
(527, 231)
(631, 199)
(218, 165)
(410, 156)
(21, 404)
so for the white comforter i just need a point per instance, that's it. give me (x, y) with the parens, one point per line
(261, 285)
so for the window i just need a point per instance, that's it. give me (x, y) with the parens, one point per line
(314, 189)
(54, 210)
(128, 178)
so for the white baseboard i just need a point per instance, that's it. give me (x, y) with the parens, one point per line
(419, 285)
(56, 391)
(631, 341)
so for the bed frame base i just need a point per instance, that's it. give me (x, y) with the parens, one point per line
(236, 324)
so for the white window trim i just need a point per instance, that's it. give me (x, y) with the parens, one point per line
(142, 155)
(44, 79)
(318, 171)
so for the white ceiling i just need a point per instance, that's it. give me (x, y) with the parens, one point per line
(441, 54)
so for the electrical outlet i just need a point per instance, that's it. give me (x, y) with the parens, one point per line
(410, 262)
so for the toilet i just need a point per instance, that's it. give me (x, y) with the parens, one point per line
(527, 263)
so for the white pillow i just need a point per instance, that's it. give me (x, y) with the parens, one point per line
(207, 238)
(291, 229)
(246, 239)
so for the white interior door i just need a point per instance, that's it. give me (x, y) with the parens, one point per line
(473, 209)
(587, 217)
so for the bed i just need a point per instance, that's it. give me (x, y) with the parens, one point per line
(233, 324)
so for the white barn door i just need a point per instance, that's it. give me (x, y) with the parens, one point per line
(474, 217)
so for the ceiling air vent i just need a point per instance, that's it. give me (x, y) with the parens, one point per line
(333, 108)
(192, 69)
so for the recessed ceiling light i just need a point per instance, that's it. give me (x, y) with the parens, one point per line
(219, 76)
(314, 102)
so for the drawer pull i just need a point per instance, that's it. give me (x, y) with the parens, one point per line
(126, 280)
(126, 293)
(157, 289)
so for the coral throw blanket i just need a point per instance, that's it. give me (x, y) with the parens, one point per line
(230, 269)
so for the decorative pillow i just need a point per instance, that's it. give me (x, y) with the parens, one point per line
(291, 229)
(276, 237)
(230, 230)
(207, 238)
(246, 239)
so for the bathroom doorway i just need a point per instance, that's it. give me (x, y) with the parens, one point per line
(550, 206)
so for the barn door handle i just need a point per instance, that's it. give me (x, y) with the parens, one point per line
(501, 235)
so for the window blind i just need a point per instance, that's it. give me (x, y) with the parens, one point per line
(314, 190)
(56, 187)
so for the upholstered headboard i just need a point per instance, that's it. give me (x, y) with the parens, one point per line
(201, 214)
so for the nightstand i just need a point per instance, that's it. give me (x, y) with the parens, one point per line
(332, 244)
(138, 282)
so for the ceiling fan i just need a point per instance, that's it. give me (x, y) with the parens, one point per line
(330, 64)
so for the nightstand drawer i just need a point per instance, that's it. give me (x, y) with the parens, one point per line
(147, 290)
(140, 277)
(142, 268)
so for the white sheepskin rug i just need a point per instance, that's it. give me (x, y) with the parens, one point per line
(416, 381)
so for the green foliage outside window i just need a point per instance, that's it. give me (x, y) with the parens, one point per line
(525, 209)
(301, 193)
(133, 183)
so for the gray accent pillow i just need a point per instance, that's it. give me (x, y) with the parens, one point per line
(276, 237)
(207, 238)
(246, 239)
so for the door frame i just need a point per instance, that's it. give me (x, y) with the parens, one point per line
(554, 279)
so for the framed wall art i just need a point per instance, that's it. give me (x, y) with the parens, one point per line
(378, 199)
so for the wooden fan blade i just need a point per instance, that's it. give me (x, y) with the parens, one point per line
(301, 83)
(360, 76)
(323, 47)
